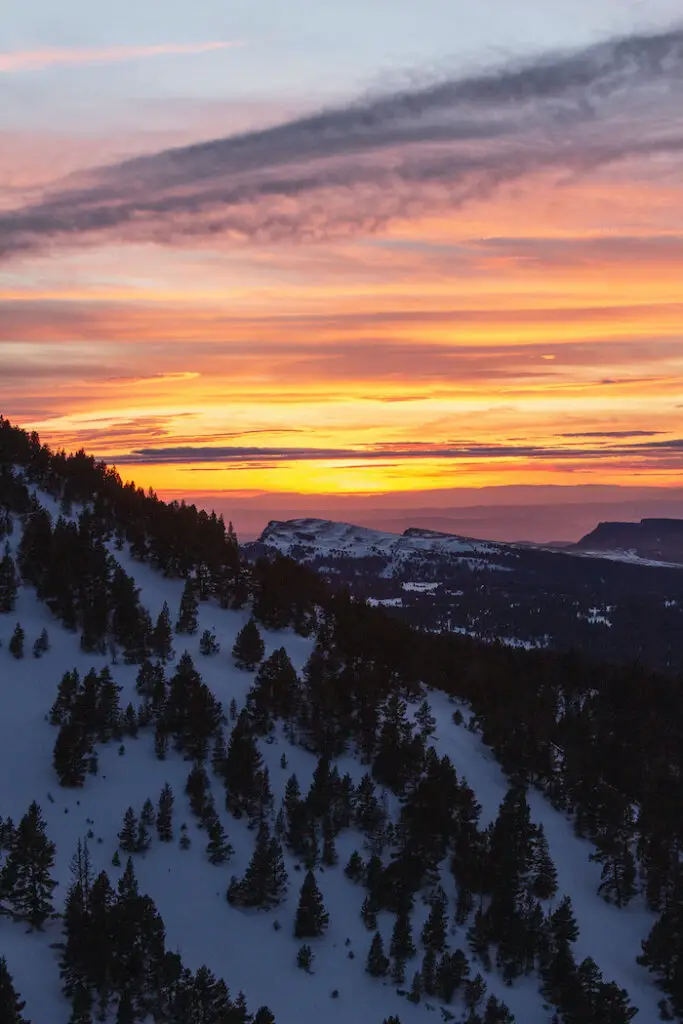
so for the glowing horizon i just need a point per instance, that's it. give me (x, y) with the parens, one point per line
(483, 293)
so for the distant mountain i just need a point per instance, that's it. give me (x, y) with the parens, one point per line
(659, 540)
(611, 604)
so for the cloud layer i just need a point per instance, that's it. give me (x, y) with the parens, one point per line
(357, 167)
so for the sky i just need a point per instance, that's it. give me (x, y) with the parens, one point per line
(379, 256)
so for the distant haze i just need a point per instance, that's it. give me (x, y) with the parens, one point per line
(539, 515)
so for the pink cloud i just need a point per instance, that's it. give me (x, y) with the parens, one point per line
(37, 60)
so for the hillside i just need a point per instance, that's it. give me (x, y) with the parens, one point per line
(617, 607)
(656, 540)
(461, 805)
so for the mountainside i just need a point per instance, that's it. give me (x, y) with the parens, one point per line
(218, 769)
(617, 607)
(660, 540)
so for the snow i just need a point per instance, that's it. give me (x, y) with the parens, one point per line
(244, 947)
(322, 538)
(629, 556)
(421, 588)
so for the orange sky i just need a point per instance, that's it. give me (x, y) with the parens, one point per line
(532, 334)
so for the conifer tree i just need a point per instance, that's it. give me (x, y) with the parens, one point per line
(187, 616)
(26, 882)
(143, 840)
(67, 694)
(265, 882)
(311, 917)
(398, 970)
(415, 993)
(428, 972)
(81, 1005)
(70, 756)
(305, 958)
(16, 644)
(10, 1003)
(435, 927)
(9, 582)
(197, 787)
(219, 753)
(377, 964)
(329, 855)
(42, 644)
(249, 647)
(544, 877)
(148, 815)
(164, 817)
(402, 944)
(160, 741)
(425, 720)
(264, 1016)
(355, 869)
(162, 636)
(128, 836)
(368, 912)
(451, 973)
(218, 848)
(208, 644)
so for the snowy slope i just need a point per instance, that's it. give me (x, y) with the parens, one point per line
(306, 539)
(243, 946)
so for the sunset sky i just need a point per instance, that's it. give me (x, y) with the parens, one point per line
(310, 253)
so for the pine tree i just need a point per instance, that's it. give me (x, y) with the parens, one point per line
(218, 848)
(425, 720)
(41, 645)
(67, 695)
(305, 958)
(398, 970)
(9, 582)
(435, 927)
(160, 741)
(428, 972)
(198, 788)
(415, 993)
(264, 1016)
(544, 879)
(130, 721)
(451, 973)
(164, 818)
(355, 869)
(402, 944)
(311, 917)
(148, 815)
(10, 1003)
(474, 992)
(81, 1005)
(368, 912)
(208, 645)
(249, 647)
(377, 964)
(162, 636)
(187, 616)
(71, 751)
(265, 882)
(329, 854)
(26, 880)
(16, 644)
(128, 836)
(497, 1012)
(143, 840)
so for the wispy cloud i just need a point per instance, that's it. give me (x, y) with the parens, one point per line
(229, 455)
(357, 167)
(38, 60)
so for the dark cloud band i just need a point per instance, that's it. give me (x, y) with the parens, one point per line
(356, 167)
